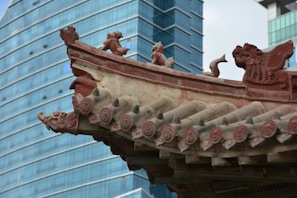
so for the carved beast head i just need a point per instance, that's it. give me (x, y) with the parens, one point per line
(118, 34)
(158, 47)
(246, 55)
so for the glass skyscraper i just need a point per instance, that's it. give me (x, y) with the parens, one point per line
(282, 25)
(282, 16)
(35, 76)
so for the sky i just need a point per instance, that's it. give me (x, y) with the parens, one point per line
(227, 23)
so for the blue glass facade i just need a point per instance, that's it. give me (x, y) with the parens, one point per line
(178, 25)
(35, 76)
(282, 28)
(282, 25)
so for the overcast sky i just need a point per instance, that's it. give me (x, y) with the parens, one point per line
(227, 23)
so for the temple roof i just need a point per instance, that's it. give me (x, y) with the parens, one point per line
(187, 130)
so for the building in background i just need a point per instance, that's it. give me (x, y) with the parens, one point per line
(35, 74)
(282, 24)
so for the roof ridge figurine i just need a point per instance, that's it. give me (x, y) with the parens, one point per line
(264, 68)
(213, 66)
(112, 42)
(158, 56)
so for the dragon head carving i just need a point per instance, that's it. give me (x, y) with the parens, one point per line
(263, 67)
(247, 55)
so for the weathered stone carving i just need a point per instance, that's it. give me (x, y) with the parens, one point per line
(158, 56)
(264, 68)
(60, 121)
(69, 35)
(213, 66)
(112, 42)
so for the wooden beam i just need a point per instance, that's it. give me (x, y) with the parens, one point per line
(178, 164)
(164, 154)
(285, 157)
(142, 147)
(235, 173)
(217, 161)
(194, 159)
(138, 160)
(249, 160)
